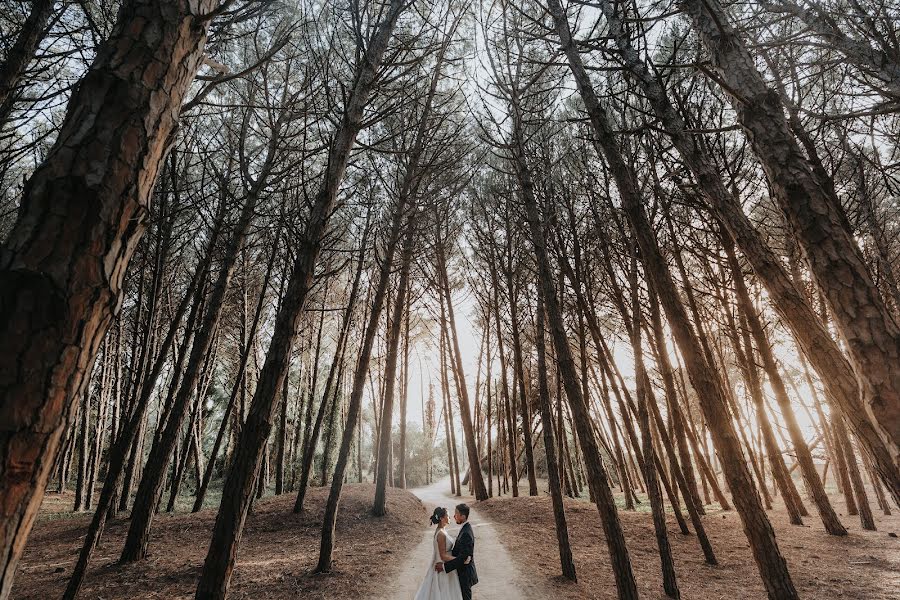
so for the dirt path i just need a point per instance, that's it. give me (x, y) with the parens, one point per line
(499, 577)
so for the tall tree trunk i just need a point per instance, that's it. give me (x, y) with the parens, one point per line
(816, 220)
(390, 373)
(771, 563)
(670, 583)
(597, 478)
(219, 563)
(689, 489)
(281, 448)
(520, 376)
(559, 513)
(479, 489)
(21, 54)
(804, 458)
(854, 481)
(404, 396)
(92, 191)
(84, 432)
(504, 412)
(788, 300)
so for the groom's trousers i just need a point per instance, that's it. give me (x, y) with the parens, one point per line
(466, 590)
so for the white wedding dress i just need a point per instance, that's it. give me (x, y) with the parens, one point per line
(439, 586)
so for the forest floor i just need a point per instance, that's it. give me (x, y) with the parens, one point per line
(516, 552)
(864, 565)
(277, 554)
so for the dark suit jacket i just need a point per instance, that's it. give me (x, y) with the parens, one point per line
(462, 549)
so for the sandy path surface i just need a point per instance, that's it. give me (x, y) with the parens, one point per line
(499, 577)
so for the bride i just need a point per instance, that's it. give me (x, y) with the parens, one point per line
(440, 586)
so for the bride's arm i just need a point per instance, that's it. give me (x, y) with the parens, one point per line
(442, 547)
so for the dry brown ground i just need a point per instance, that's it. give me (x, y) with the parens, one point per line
(861, 566)
(278, 551)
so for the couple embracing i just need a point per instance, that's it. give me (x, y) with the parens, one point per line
(451, 572)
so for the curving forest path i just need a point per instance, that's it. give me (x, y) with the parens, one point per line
(500, 578)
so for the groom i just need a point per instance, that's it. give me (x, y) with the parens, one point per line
(462, 549)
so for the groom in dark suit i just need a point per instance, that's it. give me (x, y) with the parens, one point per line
(463, 548)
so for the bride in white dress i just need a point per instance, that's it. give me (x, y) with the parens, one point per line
(440, 586)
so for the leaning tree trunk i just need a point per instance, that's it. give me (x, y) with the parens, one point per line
(559, 511)
(404, 398)
(769, 560)
(21, 53)
(813, 338)
(81, 215)
(520, 375)
(390, 373)
(477, 478)
(243, 475)
(597, 478)
(504, 416)
(670, 582)
(151, 486)
(814, 485)
(816, 220)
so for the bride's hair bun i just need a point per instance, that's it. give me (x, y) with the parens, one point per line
(439, 513)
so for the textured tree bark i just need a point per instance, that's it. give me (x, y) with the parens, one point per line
(81, 215)
(559, 512)
(816, 220)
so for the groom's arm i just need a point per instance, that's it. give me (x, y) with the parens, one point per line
(465, 544)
